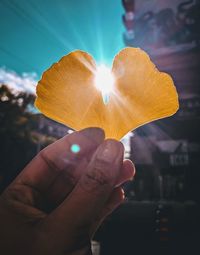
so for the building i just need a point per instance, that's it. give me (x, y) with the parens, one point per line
(168, 150)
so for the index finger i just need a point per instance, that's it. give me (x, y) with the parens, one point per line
(59, 156)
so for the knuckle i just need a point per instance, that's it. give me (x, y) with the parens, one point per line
(98, 176)
(102, 164)
(69, 177)
(53, 163)
(59, 162)
(63, 169)
(43, 155)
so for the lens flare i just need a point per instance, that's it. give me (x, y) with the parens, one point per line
(104, 81)
(75, 148)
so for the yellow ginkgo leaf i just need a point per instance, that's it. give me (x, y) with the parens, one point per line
(79, 94)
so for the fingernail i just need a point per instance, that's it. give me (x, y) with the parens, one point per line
(131, 169)
(95, 134)
(110, 151)
(123, 194)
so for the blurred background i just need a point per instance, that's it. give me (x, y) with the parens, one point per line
(161, 212)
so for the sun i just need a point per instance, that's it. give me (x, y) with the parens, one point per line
(104, 82)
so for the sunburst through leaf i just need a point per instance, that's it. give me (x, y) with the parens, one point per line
(78, 93)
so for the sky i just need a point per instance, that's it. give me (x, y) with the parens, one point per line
(36, 33)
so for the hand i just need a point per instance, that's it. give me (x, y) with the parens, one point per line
(58, 201)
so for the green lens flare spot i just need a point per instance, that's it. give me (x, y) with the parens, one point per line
(75, 148)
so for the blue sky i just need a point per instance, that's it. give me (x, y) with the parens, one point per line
(36, 33)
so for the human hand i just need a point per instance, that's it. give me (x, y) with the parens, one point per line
(58, 201)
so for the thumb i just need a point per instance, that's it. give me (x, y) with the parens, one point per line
(81, 208)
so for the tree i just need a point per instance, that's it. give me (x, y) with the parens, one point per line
(18, 144)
